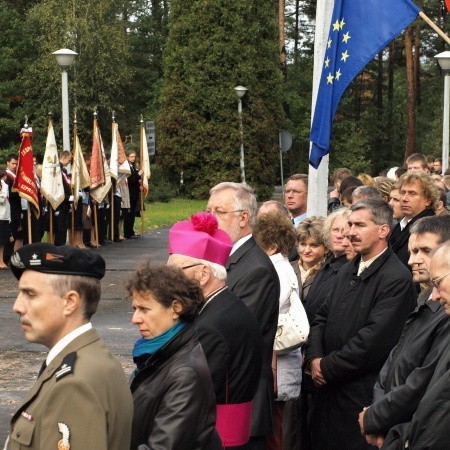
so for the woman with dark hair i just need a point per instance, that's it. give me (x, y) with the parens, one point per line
(172, 390)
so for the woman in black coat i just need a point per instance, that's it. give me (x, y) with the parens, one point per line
(172, 390)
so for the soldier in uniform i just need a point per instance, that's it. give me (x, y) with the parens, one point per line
(81, 398)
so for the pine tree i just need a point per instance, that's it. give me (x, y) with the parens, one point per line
(212, 47)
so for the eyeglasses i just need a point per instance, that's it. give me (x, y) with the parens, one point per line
(293, 191)
(437, 281)
(191, 265)
(218, 212)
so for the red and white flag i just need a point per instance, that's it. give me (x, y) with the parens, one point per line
(25, 182)
(51, 182)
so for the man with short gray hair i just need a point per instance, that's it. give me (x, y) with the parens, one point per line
(356, 328)
(253, 278)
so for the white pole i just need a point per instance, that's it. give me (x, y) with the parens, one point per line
(65, 109)
(241, 130)
(318, 179)
(445, 127)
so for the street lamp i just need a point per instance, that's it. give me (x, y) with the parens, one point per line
(240, 92)
(65, 59)
(444, 63)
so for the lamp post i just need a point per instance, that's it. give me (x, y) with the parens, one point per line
(444, 63)
(65, 58)
(240, 92)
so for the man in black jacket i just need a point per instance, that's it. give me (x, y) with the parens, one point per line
(411, 364)
(253, 278)
(429, 427)
(356, 328)
(227, 330)
(418, 197)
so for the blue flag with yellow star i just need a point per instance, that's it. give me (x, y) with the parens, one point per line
(359, 30)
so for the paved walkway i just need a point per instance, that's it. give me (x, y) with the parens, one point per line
(20, 361)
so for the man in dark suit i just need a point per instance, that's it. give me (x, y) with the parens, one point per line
(418, 197)
(356, 328)
(253, 278)
(227, 330)
(81, 398)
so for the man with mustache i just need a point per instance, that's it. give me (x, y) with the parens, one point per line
(81, 398)
(356, 328)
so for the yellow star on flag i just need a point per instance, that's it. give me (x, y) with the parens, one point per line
(330, 79)
(336, 26)
(338, 74)
(329, 43)
(344, 56)
(346, 37)
(327, 62)
(341, 24)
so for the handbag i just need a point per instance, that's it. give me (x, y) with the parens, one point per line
(293, 326)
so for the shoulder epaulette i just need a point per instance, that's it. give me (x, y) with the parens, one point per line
(67, 366)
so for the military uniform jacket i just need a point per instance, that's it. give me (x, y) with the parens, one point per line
(85, 388)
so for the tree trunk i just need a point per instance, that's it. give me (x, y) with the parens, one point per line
(282, 35)
(296, 31)
(417, 43)
(411, 95)
(379, 100)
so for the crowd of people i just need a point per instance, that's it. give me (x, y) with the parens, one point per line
(266, 329)
(113, 220)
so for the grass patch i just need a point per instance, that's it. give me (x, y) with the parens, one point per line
(159, 214)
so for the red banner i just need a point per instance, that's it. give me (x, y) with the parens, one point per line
(96, 172)
(447, 5)
(25, 182)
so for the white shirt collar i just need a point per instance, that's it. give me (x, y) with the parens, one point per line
(240, 242)
(66, 340)
(299, 219)
(404, 222)
(363, 265)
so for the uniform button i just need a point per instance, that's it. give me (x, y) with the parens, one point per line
(352, 283)
(18, 434)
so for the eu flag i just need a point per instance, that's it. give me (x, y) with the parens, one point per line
(359, 30)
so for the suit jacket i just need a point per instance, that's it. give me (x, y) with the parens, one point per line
(253, 278)
(399, 238)
(231, 340)
(85, 388)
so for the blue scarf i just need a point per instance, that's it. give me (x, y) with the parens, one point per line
(148, 346)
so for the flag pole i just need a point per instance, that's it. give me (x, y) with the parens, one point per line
(141, 159)
(111, 228)
(95, 205)
(50, 237)
(435, 27)
(30, 238)
(72, 191)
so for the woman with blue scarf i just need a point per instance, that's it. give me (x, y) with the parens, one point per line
(173, 395)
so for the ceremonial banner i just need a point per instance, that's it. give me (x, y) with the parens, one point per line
(447, 5)
(51, 182)
(100, 174)
(80, 175)
(118, 162)
(96, 172)
(145, 162)
(359, 30)
(25, 182)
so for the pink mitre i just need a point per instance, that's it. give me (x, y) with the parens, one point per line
(200, 238)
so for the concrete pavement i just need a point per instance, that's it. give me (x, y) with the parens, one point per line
(20, 361)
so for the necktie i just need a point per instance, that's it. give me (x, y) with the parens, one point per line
(43, 367)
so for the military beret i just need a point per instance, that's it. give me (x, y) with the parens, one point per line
(63, 260)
